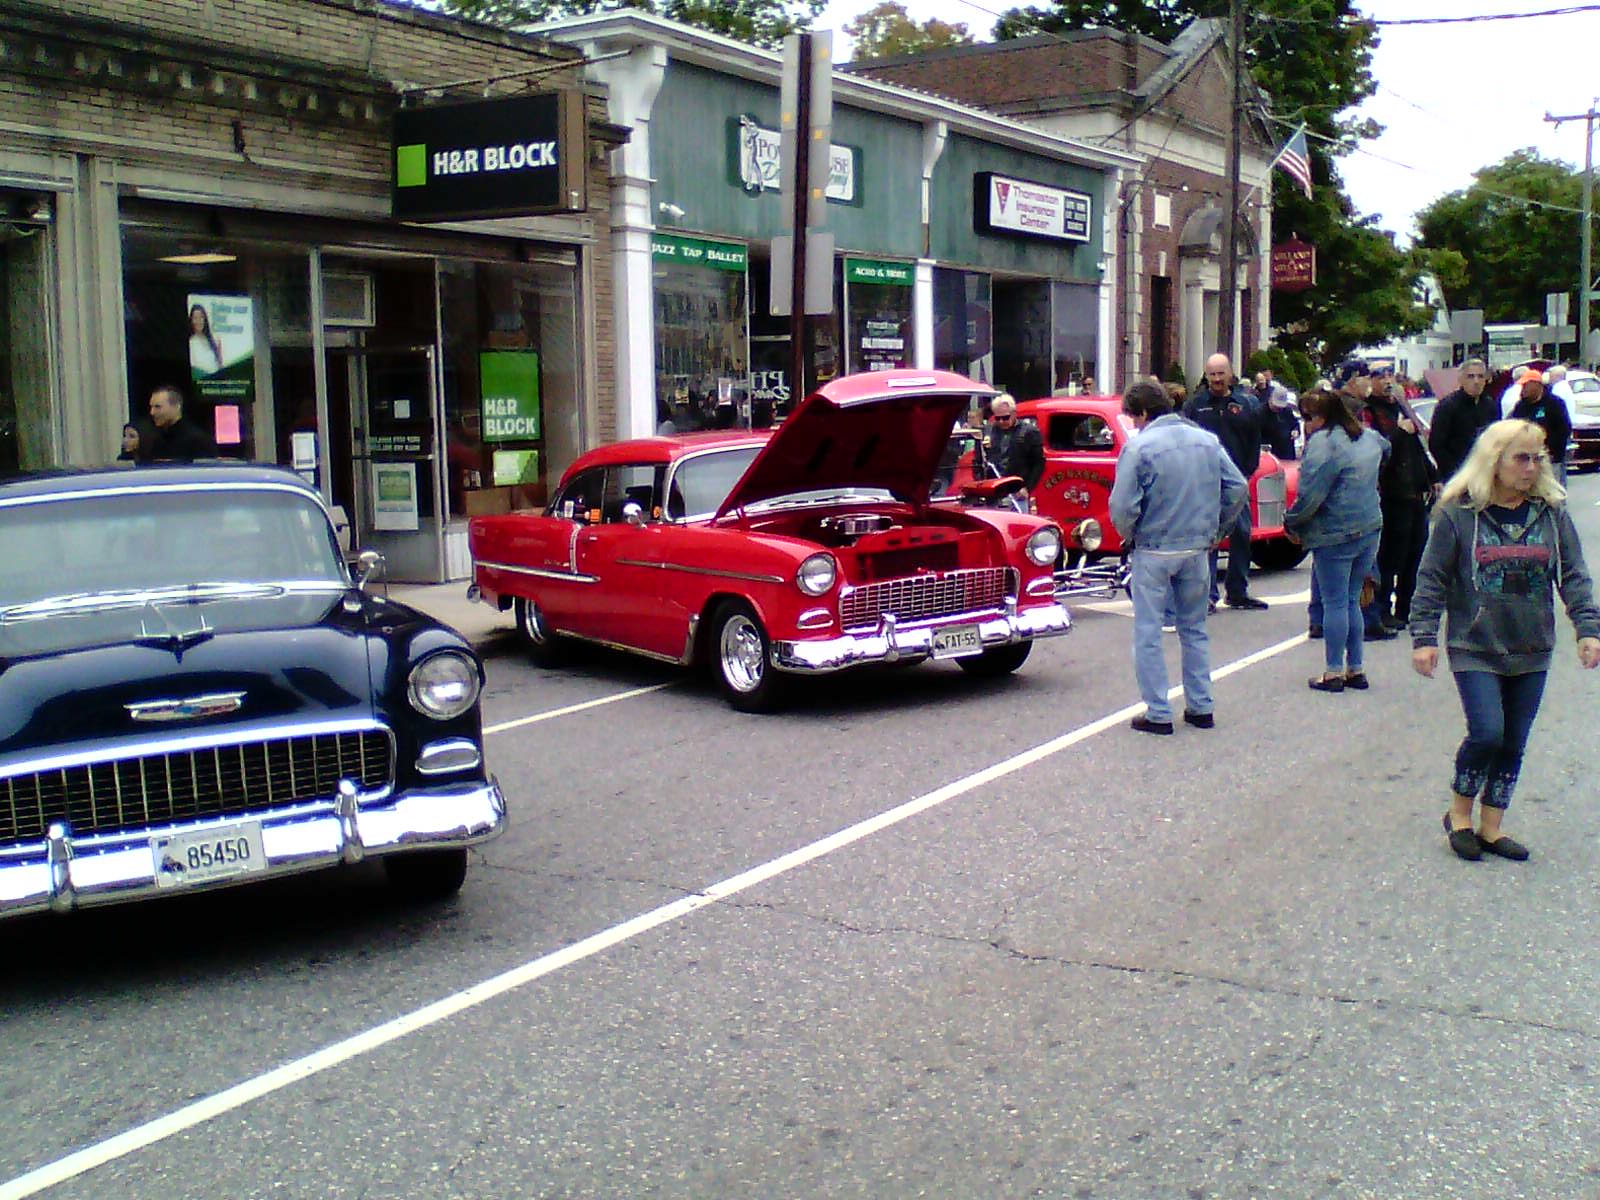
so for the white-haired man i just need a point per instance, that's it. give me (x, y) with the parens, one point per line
(1014, 447)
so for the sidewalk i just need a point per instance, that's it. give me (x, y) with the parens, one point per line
(448, 602)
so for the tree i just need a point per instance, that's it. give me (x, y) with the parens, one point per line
(887, 31)
(1313, 59)
(1516, 231)
(759, 22)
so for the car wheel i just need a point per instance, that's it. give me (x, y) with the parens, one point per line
(1277, 554)
(741, 657)
(426, 874)
(543, 646)
(991, 664)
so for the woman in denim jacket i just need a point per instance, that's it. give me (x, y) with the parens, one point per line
(1337, 517)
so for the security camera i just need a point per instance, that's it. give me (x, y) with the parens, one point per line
(670, 210)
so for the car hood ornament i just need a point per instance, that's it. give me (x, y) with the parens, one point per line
(213, 705)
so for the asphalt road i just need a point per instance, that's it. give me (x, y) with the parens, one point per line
(1222, 964)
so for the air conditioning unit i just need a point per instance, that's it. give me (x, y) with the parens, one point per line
(347, 300)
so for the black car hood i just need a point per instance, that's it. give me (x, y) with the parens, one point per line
(84, 677)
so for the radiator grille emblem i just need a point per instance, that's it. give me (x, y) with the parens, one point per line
(213, 705)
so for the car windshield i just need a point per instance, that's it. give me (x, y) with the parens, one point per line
(1582, 385)
(701, 483)
(811, 499)
(86, 551)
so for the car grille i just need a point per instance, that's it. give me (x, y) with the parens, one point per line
(1271, 493)
(184, 785)
(920, 597)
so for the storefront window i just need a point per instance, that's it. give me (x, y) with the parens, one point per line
(701, 347)
(228, 325)
(878, 299)
(511, 410)
(1075, 320)
(963, 323)
(1022, 355)
(26, 418)
(772, 360)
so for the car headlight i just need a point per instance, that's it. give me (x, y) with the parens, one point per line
(1044, 547)
(443, 685)
(1089, 534)
(817, 574)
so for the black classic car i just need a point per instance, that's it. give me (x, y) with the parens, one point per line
(196, 691)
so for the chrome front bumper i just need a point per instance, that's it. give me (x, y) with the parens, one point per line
(61, 875)
(892, 642)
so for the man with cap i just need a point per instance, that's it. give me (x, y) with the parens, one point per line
(1231, 412)
(1549, 413)
(1461, 417)
(1282, 421)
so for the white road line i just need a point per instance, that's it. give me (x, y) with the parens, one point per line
(573, 708)
(202, 1110)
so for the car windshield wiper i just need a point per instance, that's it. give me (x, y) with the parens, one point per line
(104, 601)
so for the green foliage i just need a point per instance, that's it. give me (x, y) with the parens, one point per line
(1175, 374)
(759, 22)
(1268, 358)
(1292, 368)
(887, 31)
(1511, 239)
(1302, 371)
(1159, 19)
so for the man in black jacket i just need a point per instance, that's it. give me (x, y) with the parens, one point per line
(1014, 447)
(1549, 413)
(1405, 485)
(175, 440)
(1238, 419)
(1461, 417)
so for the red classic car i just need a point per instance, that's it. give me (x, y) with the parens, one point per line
(1083, 435)
(807, 550)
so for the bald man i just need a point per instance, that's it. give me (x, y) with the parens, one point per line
(1238, 420)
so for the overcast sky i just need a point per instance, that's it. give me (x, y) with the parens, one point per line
(1452, 98)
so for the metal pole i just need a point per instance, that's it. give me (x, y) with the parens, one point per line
(1228, 293)
(802, 189)
(1585, 276)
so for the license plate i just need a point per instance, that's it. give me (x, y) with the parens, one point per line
(957, 641)
(207, 855)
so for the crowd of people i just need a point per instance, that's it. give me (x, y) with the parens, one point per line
(1458, 534)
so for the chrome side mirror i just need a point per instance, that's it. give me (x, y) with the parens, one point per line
(633, 513)
(366, 567)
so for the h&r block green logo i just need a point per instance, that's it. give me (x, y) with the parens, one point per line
(411, 166)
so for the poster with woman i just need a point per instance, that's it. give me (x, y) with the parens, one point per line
(222, 348)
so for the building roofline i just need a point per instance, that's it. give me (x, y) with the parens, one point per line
(1009, 45)
(698, 47)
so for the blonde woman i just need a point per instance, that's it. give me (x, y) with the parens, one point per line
(1501, 541)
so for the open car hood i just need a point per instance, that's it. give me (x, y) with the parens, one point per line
(880, 429)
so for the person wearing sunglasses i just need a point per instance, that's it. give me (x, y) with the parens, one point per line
(1014, 447)
(1502, 544)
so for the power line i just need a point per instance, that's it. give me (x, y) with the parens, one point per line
(1565, 11)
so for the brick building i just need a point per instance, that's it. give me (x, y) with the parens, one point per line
(204, 193)
(1171, 104)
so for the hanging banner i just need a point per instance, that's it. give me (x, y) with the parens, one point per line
(1294, 266)
(222, 348)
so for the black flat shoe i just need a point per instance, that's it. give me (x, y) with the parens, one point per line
(1358, 681)
(1379, 634)
(1199, 720)
(1505, 847)
(1246, 602)
(1146, 725)
(1464, 842)
(1314, 633)
(1318, 684)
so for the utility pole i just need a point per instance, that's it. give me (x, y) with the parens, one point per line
(1228, 295)
(1587, 284)
(802, 192)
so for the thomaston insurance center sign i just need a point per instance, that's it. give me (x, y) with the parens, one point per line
(1001, 204)
(492, 158)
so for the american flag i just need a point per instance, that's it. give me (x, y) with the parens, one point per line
(1295, 158)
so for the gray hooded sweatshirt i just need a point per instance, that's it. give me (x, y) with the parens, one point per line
(1492, 584)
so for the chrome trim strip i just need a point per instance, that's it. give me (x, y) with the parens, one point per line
(539, 572)
(449, 755)
(746, 576)
(213, 704)
(894, 642)
(164, 488)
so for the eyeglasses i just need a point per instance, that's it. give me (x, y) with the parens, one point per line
(1007, 418)
(1525, 458)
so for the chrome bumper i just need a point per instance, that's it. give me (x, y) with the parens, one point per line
(1106, 577)
(61, 875)
(892, 642)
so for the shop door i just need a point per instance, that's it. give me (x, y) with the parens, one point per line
(389, 402)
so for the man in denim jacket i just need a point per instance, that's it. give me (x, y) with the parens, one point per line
(1177, 490)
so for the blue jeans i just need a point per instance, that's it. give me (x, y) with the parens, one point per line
(1238, 581)
(1370, 616)
(1500, 711)
(1339, 570)
(1179, 581)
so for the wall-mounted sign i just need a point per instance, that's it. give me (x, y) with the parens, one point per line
(515, 466)
(699, 252)
(508, 381)
(1023, 208)
(877, 270)
(753, 155)
(394, 495)
(1294, 266)
(222, 348)
(490, 158)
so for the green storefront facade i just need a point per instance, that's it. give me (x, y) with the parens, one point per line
(960, 240)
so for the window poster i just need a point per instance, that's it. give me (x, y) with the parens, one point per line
(222, 348)
(394, 496)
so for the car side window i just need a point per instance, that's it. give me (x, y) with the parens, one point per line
(580, 500)
(1081, 431)
(702, 483)
(637, 484)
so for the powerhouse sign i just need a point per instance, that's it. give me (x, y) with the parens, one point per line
(754, 150)
(1001, 204)
(491, 158)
